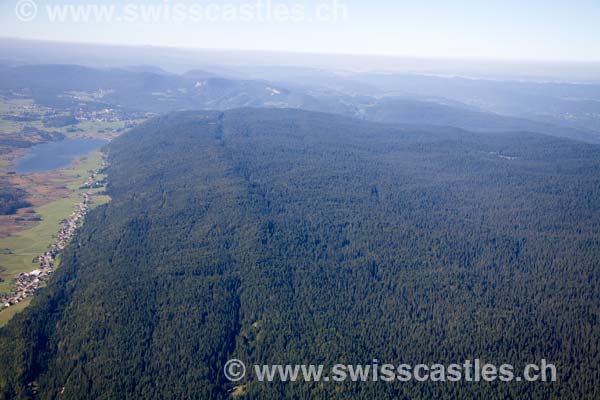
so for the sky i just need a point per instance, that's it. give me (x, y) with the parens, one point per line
(557, 30)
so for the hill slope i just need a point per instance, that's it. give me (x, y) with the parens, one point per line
(410, 111)
(281, 236)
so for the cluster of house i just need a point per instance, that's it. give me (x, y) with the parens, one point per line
(28, 283)
(103, 115)
(92, 181)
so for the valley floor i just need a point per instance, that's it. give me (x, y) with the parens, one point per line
(49, 199)
(20, 251)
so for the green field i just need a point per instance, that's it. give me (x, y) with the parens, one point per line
(19, 252)
(14, 107)
(94, 127)
(8, 313)
(78, 172)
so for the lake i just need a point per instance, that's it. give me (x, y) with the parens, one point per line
(54, 155)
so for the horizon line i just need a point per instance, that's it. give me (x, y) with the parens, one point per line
(307, 52)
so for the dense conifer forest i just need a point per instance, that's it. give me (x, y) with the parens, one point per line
(11, 199)
(290, 237)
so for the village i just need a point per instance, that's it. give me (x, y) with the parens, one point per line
(27, 283)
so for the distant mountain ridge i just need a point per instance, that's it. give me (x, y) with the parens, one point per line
(149, 89)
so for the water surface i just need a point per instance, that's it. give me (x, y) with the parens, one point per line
(49, 156)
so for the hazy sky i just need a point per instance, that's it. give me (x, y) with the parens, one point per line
(507, 29)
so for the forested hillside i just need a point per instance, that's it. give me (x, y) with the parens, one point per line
(289, 237)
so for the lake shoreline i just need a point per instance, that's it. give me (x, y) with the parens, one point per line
(50, 156)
